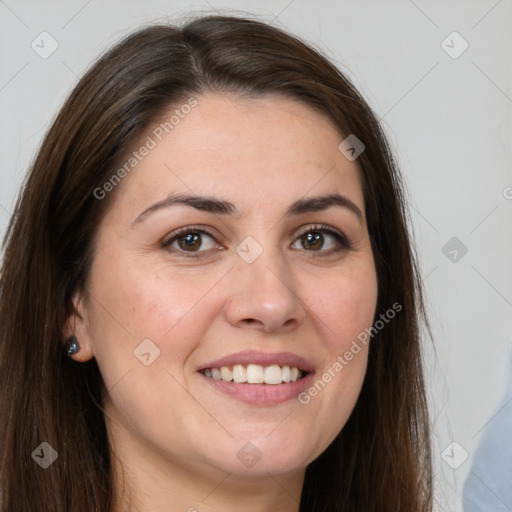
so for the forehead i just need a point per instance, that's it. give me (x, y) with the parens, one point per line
(252, 151)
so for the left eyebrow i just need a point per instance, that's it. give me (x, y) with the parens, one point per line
(315, 204)
(218, 206)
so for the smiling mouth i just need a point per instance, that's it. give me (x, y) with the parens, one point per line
(255, 374)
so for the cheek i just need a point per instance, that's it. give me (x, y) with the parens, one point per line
(147, 301)
(132, 303)
(345, 309)
(345, 305)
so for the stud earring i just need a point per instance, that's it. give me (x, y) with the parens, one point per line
(72, 346)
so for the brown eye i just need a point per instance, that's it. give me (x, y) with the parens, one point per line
(322, 239)
(313, 240)
(189, 240)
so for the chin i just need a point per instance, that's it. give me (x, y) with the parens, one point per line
(262, 455)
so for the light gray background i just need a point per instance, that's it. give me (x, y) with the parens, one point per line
(448, 119)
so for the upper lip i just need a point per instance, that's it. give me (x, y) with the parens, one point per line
(261, 358)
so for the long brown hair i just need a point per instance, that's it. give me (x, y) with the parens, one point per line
(380, 461)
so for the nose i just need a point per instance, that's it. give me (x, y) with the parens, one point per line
(264, 295)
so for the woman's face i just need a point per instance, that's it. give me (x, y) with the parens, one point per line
(265, 267)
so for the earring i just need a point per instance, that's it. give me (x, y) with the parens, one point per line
(72, 346)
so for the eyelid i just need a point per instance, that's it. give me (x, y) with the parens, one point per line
(317, 227)
(341, 238)
(168, 239)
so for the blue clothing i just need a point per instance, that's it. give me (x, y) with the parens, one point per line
(488, 487)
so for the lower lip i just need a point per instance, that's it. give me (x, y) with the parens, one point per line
(261, 394)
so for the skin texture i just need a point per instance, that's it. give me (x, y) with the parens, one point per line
(174, 437)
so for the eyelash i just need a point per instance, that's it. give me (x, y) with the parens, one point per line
(341, 239)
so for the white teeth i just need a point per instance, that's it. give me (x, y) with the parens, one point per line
(273, 375)
(255, 374)
(226, 373)
(239, 374)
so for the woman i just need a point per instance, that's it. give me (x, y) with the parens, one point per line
(209, 298)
